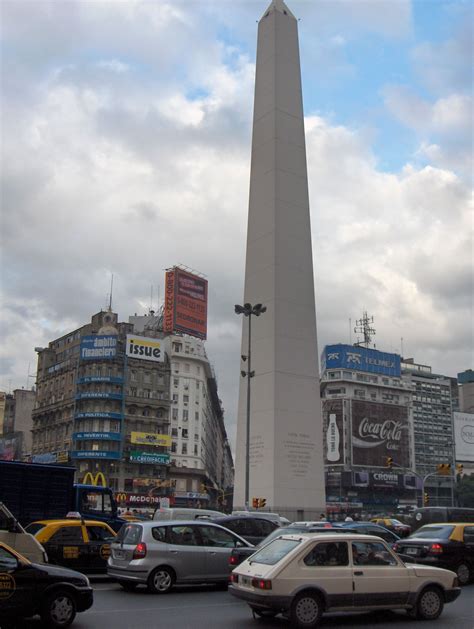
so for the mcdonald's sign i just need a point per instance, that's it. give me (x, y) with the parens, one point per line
(121, 497)
(98, 480)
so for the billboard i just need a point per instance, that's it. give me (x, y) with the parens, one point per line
(361, 359)
(149, 458)
(145, 348)
(464, 436)
(185, 303)
(98, 347)
(378, 431)
(10, 447)
(333, 424)
(150, 439)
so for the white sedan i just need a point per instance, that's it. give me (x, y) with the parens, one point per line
(302, 576)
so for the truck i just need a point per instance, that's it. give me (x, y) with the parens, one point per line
(35, 491)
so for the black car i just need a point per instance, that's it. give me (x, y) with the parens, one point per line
(26, 589)
(368, 528)
(252, 529)
(241, 554)
(446, 545)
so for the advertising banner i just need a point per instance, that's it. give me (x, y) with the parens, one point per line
(145, 348)
(98, 347)
(185, 303)
(168, 319)
(150, 439)
(95, 454)
(98, 436)
(333, 432)
(464, 436)
(148, 457)
(97, 414)
(47, 457)
(378, 431)
(360, 359)
(137, 500)
(10, 447)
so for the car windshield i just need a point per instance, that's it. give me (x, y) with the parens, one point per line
(273, 552)
(34, 527)
(129, 534)
(434, 532)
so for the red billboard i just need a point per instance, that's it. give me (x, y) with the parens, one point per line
(379, 431)
(185, 303)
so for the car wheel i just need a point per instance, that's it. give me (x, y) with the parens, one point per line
(306, 610)
(463, 574)
(59, 609)
(161, 580)
(430, 604)
(128, 586)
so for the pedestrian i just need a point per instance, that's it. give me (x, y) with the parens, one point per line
(322, 517)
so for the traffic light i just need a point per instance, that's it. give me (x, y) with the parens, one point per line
(426, 498)
(459, 468)
(262, 502)
(443, 468)
(389, 461)
(255, 503)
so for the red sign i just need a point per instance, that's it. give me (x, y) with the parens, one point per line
(185, 303)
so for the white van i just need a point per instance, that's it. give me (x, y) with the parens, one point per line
(183, 513)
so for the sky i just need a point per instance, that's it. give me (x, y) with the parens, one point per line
(126, 137)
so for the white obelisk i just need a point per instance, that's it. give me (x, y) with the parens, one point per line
(286, 443)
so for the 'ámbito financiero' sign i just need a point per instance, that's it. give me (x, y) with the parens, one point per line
(145, 348)
(150, 439)
(98, 347)
(185, 303)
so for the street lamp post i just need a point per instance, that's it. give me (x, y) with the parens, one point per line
(248, 310)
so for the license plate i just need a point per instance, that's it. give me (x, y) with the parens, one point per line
(119, 554)
(411, 551)
(245, 581)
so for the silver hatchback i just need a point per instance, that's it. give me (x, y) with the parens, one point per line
(160, 554)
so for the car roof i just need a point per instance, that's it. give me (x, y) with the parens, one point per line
(337, 536)
(71, 522)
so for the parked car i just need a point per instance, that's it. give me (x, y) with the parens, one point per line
(254, 530)
(184, 513)
(367, 528)
(240, 554)
(27, 589)
(446, 545)
(393, 525)
(82, 545)
(432, 515)
(303, 576)
(160, 554)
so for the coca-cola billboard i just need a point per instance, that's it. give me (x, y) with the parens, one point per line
(379, 431)
(333, 432)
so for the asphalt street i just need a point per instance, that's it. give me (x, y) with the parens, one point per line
(208, 608)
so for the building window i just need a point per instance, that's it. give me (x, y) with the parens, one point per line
(185, 415)
(197, 385)
(133, 375)
(184, 448)
(175, 382)
(147, 393)
(184, 433)
(174, 413)
(177, 347)
(174, 432)
(196, 416)
(175, 397)
(185, 399)
(196, 449)
(133, 391)
(173, 446)
(187, 367)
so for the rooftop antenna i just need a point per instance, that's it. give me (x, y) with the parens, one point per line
(350, 331)
(151, 299)
(111, 292)
(363, 326)
(401, 346)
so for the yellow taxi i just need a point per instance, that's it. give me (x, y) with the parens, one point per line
(392, 524)
(79, 544)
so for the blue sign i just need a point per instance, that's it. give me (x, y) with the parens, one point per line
(98, 395)
(360, 359)
(47, 457)
(98, 347)
(103, 436)
(88, 379)
(95, 454)
(94, 414)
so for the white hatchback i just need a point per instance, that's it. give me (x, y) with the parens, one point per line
(302, 576)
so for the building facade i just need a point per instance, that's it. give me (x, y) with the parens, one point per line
(16, 423)
(136, 408)
(368, 431)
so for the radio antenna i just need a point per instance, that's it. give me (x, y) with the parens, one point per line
(111, 292)
(363, 326)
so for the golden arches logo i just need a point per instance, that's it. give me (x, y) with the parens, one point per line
(98, 480)
(121, 497)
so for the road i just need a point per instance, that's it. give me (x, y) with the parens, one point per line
(208, 608)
